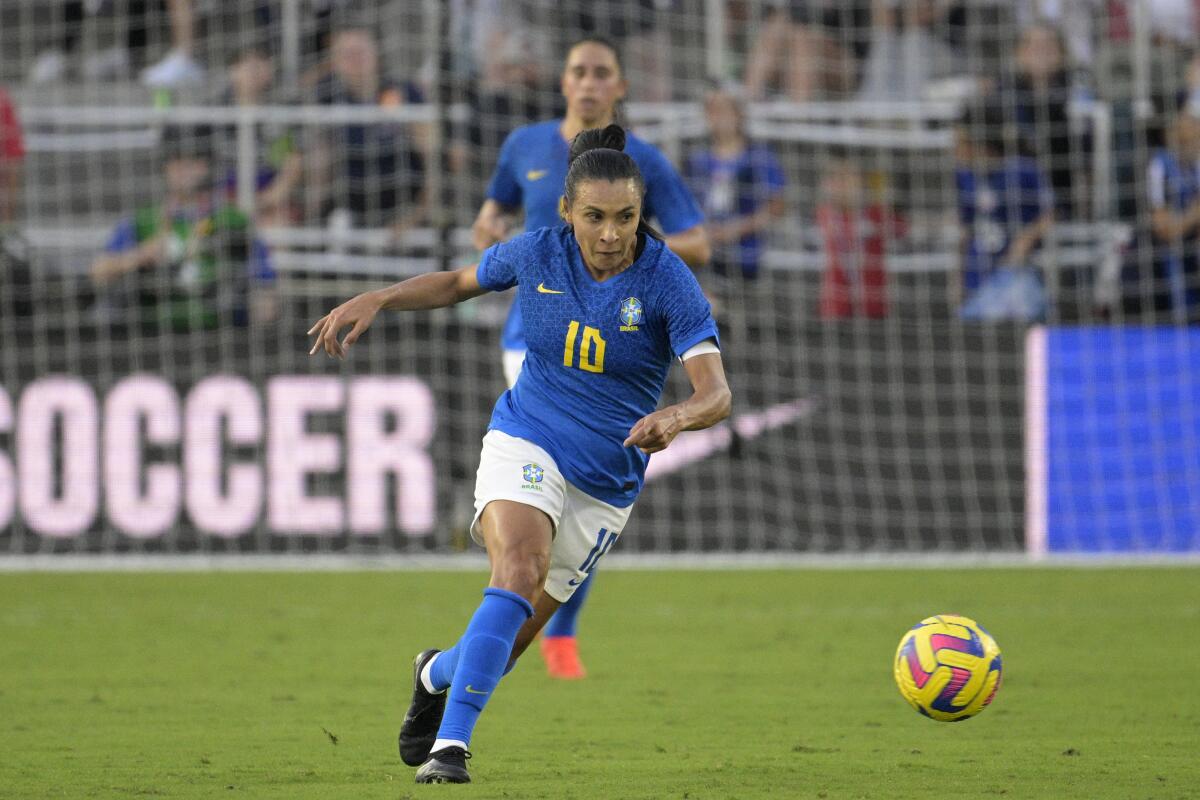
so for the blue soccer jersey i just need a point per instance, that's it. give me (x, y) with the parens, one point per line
(598, 352)
(532, 173)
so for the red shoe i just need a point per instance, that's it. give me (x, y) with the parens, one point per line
(561, 654)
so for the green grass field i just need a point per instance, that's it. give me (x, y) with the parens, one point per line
(711, 685)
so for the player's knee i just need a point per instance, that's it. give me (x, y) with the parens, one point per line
(521, 572)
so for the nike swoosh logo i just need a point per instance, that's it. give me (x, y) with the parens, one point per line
(692, 446)
(542, 288)
(473, 691)
(535, 174)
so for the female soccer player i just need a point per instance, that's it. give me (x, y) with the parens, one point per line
(608, 306)
(529, 176)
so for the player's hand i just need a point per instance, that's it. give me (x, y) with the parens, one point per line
(654, 432)
(359, 311)
(488, 229)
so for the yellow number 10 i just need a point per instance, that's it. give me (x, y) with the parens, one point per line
(591, 349)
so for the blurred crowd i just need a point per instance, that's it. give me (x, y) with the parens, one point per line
(1024, 75)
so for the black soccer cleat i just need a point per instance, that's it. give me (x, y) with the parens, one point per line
(448, 765)
(424, 715)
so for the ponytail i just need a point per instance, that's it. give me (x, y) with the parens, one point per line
(598, 154)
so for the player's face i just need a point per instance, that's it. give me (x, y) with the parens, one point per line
(605, 217)
(592, 83)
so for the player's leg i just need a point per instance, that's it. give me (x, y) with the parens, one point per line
(587, 530)
(515, 479)
(518, 539)
(433, 672)
(560, 647)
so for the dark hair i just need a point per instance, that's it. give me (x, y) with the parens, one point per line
(598, 155)
(987, 125)
(252, 50)
(603, 42)
(186, 141)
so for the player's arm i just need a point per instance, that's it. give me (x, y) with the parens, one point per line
(690, 245)
(504, 197)
(709, 404)
(491, 224)
(431, 290)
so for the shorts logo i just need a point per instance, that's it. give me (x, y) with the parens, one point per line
(533, 475)
(631, 314)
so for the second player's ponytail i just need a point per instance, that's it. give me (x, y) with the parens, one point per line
(598, 154)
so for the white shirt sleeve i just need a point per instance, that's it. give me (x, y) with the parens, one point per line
(707, 346)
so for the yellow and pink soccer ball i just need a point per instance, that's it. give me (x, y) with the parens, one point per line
(948, 667)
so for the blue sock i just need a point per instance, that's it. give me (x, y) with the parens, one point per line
(482, 657)
(567, 616)
(441, 674)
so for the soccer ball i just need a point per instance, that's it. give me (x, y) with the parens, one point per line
(948, 667)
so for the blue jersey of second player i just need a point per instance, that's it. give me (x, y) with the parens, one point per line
(598, 352)
(532, 172)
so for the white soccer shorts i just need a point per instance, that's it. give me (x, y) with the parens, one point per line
(584, 527)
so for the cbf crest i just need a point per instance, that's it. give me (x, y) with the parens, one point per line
(631, 314)
(533, 475)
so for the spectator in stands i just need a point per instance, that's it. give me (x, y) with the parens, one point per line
(55, 61)
(905, 55)
(179, 66)
(857, 234)
(279, 165)
(739, 184)
(12, 156)
(496, 60)
(190, 262)
(376, 170)
(1006, 208)
(1193, 82)
(1080, 21)
(1039, 94)
(809, 49)
(1173, 185)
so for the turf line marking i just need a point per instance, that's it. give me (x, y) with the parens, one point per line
(477, 562)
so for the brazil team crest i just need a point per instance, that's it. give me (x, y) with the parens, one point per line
(533, 475)
(631, 314)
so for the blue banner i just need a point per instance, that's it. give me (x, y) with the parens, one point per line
(1120, 439)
